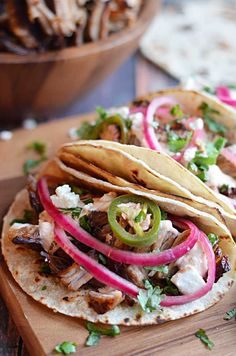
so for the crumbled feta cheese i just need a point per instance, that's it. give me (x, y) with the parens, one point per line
(29, 124)
(195, 258)
(19, 225)
(65, 198)
(198, 124)
(216, 178)
(188, 280)
(123, 111)
(137, 120)
(189, 154)
(46, 232)
(6, 135)
(72, 133)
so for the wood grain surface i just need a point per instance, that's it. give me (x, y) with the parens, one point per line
(42, 329)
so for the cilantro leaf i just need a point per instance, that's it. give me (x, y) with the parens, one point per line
(230, 314)
(201, 334)
(95, 332)
(213, 238)
(209, 90)
(163, 215)
(84, 223)
(85, 131)
(32, 163)
(27, 218)
(101, 112)
(75, 212)
(150, 298)
(44, 288)
(213, 126)
(38, 147)
(93, 339)
(176, 111)
(176, 143)
(163, 268)
(102, 259)
(66, 347)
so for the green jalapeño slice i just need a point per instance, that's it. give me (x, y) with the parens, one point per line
(140, 214)
(112, 120)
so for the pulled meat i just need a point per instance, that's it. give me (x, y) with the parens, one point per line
(57, 262)
(104, 299)
(98, 221)
(33, 194)
(74, 277)
(136, 274)
(222, 266)
(28, 236)
(110, 133)
(229, 192)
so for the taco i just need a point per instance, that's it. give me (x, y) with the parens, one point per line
(114, 254)
(150, 169)
(196, 129)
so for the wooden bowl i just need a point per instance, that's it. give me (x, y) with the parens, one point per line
(43, 84)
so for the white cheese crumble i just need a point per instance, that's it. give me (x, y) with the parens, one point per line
(189, 153)
(20, 225)
(46, 232)
(198, 124)
(123, 111)
(72, 133)
(188, 280)
(195, 258)
(65, 198)
(6, 135)
(216, 178)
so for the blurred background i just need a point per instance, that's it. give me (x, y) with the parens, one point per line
(93, 54)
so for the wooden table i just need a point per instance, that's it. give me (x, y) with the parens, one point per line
(136, 77)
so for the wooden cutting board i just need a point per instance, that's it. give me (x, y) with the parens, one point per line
(42, 329)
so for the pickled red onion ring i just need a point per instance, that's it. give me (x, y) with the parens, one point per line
(223, 94)
(148, 129)
(97, 270)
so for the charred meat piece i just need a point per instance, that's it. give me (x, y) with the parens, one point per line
(105, 299)
(57, 262)
(28, 236)
(33, 194)
(136, 274)
(98, 221)
(222, 266)
(228, 191)
(74, 277)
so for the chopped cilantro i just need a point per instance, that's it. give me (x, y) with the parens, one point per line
(176, 111)
(84, 223)
(102, 259)
(176, 143)
(213, 238)
(213, 126)
(150, 298)
(230, 314)
(31, 164)
(96, 331)
(77, 190)
(209, 90)
(88, 201)
(27, 218)
(44, 288)
(128, 124)
(75, 212)
(163, 268)
(66, 347)
(199, 165)
(140, 217)
(93, 339)
(85, 131)
(170, 288)
(163, 215)
(38, 147)
(201, 334)
(101, 112)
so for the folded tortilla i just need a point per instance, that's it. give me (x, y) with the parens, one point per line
(23, 264)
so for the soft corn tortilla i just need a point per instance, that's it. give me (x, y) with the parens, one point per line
(23, 265)
(150, 169)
